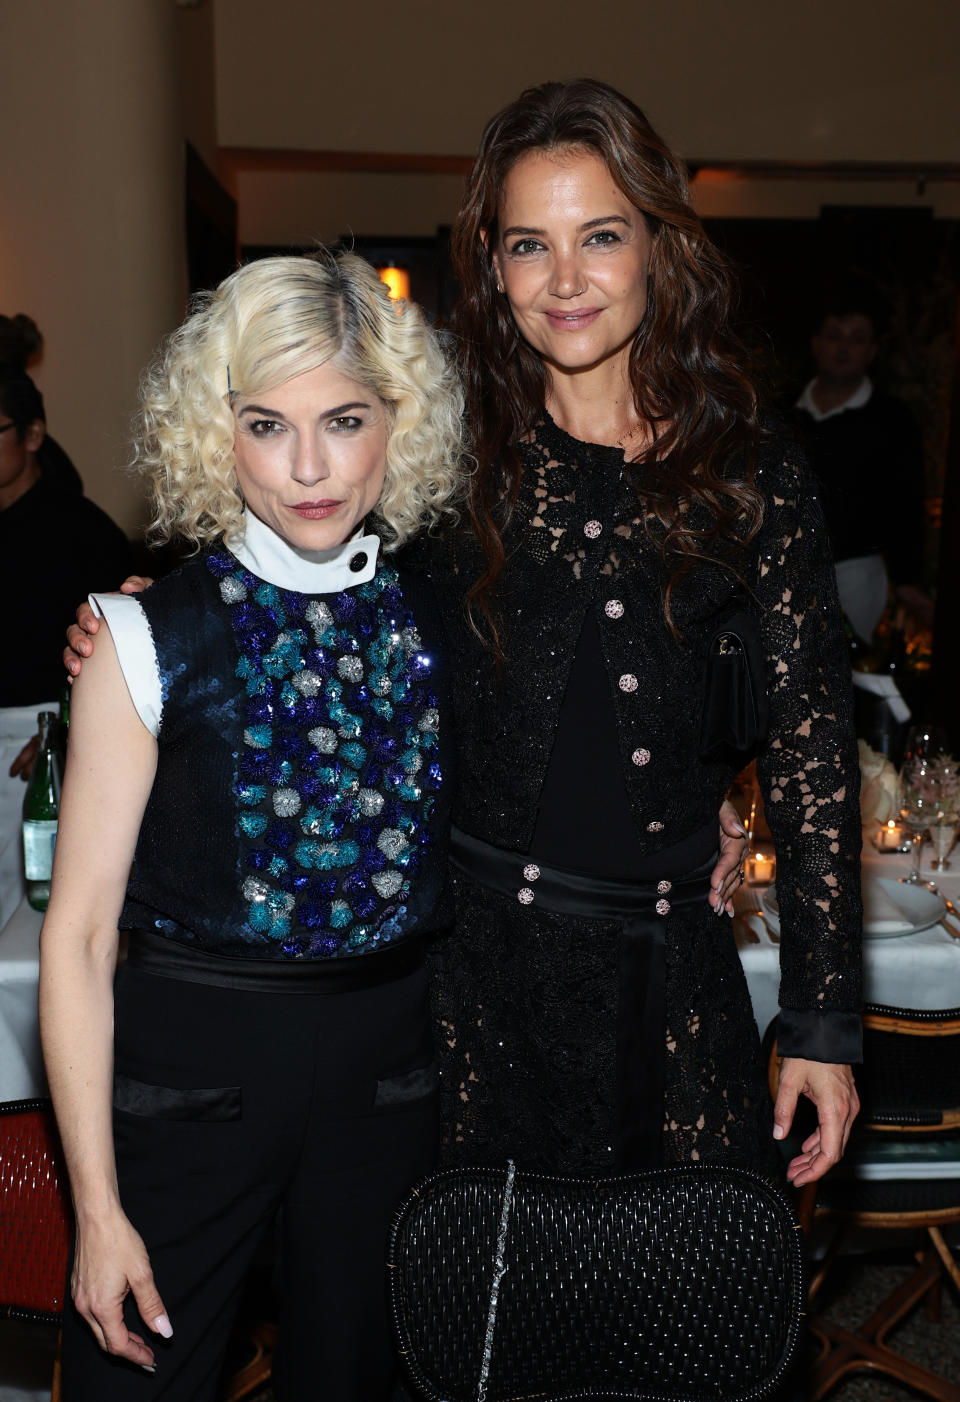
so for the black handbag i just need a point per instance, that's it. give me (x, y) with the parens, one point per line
(735, 714)
(679, 1283)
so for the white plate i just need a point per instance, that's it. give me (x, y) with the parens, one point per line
(890, 908)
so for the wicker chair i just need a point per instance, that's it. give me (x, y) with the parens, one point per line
(896, 1174)
(34, 1217)
(35, 1239)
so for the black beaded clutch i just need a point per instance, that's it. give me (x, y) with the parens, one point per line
(681, 1284)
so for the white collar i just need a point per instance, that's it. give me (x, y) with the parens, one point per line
(267, 555)
(861, 395)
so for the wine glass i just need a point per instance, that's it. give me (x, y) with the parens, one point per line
(925, 742)
(920, 790)
(943, 827)
(942, 834)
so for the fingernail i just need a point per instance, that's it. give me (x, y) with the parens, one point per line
(778, 1131)
(738, 827)
(163, 1327)
(149, 1367)
(730, 912)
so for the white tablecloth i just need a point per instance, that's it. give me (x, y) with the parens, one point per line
(21, 1065)
(910, 971)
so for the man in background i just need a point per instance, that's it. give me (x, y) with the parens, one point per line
(866, 450)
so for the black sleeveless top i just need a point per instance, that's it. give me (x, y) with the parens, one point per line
(300, 809)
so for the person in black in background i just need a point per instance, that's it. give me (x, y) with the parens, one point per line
(20, 344)
(54, 545)
(865, 447)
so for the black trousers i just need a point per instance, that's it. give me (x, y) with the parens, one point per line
(321, 1105)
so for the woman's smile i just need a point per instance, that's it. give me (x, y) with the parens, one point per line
(572, 256)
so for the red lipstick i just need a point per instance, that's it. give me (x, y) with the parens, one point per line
(315, 510)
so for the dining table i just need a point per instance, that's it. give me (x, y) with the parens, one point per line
(907, 967)
(914, 969)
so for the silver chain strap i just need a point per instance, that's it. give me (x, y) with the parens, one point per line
(499, 1271)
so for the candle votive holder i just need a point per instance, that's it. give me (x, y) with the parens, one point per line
(760, 868)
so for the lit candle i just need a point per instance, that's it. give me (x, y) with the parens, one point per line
(889, 836)
(760, 869)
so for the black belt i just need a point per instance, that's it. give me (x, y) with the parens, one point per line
(155, 954)
(642, 908)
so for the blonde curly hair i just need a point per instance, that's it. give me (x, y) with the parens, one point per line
(267, 322)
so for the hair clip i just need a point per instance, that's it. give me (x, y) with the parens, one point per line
(229, 385)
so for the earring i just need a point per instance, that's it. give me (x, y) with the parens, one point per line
(499, 286)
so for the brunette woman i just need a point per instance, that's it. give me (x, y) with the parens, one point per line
(627, 504)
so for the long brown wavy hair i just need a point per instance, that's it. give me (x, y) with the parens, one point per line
(685, 364)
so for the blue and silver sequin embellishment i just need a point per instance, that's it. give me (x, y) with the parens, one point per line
(338, 770)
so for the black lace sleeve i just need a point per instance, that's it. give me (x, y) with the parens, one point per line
(809, 771)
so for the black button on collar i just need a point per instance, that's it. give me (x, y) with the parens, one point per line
(358, 562)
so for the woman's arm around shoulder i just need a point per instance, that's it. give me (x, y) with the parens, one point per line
(110, 769)
(80, 635)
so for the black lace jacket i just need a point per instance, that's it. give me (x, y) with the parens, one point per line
(576, 541)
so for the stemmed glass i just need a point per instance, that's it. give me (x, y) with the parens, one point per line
(920, 789)
(943, 828)
(924, 742)
(942, 834)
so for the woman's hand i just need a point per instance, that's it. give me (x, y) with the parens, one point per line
(23, 764)
(832, 1091)
(80, 635)
(725, 877)
(110, 1263)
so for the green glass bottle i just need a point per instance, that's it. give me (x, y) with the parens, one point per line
(41, 808)
(63, 726)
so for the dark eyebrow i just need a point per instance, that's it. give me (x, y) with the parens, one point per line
(260, 409)
(344, 408)
(517, 229)
(267, 413)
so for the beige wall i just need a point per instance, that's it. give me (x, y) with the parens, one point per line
(829, 80)
(91, 238)
(98, 97)
(821, 80)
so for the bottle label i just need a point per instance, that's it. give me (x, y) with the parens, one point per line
(38, 843)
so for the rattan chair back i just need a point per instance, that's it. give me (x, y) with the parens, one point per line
(678, 1283)
(910, 1077)
(34, 1213)
(909, 1086)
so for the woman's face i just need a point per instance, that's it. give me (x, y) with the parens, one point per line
(572, 256)
(311, 455)
(19, 468)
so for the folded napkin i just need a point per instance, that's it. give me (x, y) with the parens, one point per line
(881, 914)
(882, 684)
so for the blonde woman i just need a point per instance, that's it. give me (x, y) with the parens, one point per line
(263, 735)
